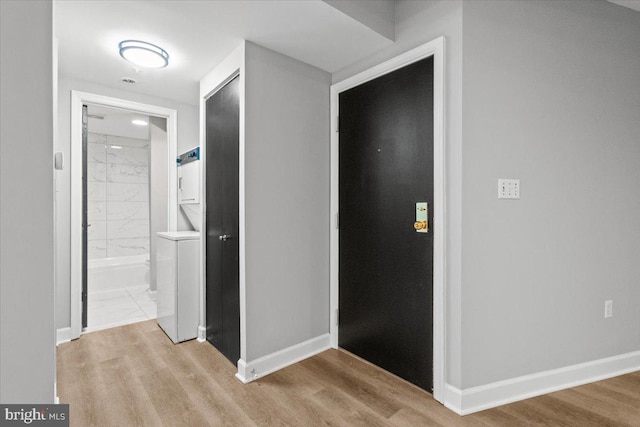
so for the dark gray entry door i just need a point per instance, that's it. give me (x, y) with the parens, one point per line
(385, 266)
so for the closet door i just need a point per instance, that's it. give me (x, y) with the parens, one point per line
(222, 245)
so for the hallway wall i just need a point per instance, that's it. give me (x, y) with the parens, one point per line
(287, 201)
(27, 335)
(551, 96)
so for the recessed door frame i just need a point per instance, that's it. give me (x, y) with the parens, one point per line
(77, 100)
(434, 48)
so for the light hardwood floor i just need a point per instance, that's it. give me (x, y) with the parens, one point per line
(133, 375)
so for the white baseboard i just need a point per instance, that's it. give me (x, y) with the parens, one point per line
(453, 398)
(250, 371)
(63, 335)
(487, 396)
(202, 333)
(152, 294)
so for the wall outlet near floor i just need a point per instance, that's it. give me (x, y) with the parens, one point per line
(608, 309)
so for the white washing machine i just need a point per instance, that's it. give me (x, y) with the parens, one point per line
(177, 262)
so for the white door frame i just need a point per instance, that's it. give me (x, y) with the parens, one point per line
(434, 48)
(77, 100)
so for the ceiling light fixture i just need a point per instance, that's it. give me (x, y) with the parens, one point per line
(143, 54)
(139, 122)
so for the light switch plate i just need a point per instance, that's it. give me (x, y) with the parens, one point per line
(608, 309)
(508, 189)
(58, 161)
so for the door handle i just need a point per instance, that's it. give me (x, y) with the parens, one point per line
(224, 237)
(420, 225)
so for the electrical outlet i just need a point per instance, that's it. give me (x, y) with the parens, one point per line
(608, 309)
(508, 189)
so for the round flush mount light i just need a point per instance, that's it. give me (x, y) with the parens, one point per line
(143, 54)
(139, 122)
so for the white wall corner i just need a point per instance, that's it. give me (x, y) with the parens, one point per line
(243, 373)
(251, 371)
(453, 398)
(503, 392)
(63, 335)
(202, 333)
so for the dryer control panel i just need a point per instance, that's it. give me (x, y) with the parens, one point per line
(189, 177)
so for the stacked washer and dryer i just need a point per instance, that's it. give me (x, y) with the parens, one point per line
(178, 258)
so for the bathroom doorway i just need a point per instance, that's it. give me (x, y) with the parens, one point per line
(125, 158)
(121, 176)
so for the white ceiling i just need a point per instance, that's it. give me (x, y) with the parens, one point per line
(116, 121)
(198, 35)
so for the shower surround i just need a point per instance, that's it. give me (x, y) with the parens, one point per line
(118, 211)
(118, 196)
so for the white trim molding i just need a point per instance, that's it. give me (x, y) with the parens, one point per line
(435, 49)
(453, 398)
(63, 335)
(202, 333)
(251, 371)
(77, 100)
(500, 393)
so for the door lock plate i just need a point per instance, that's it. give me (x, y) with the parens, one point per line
(422, 217)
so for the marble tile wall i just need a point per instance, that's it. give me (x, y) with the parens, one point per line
(118, 196)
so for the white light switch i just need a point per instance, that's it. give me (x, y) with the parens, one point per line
(58, 161)
(508, 189)
(608, 309)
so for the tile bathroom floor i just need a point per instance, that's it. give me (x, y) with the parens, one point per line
(108, 309)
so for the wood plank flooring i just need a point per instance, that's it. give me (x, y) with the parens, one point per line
(134, 376)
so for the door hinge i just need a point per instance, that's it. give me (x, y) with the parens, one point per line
(337, 220)
(337, 123)
(337, 316)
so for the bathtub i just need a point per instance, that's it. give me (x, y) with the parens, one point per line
(107, 274)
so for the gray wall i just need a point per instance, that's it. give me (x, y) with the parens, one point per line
(287, 201)
(418, 22)
(157, 188)
(188, 137)
(27, 335)
(551, 96)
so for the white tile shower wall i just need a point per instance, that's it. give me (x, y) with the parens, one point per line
(118, 194)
